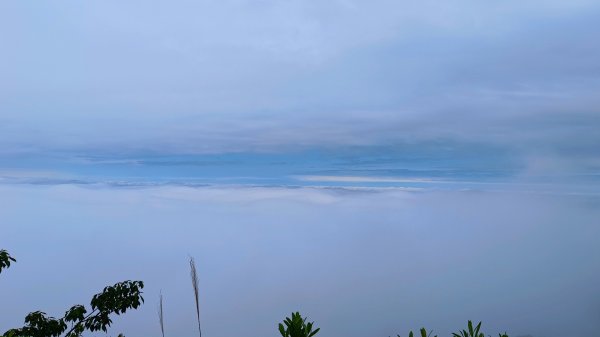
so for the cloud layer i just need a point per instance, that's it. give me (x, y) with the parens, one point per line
(198, 77)
(357, 262)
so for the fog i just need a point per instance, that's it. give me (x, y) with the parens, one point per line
(359, 262)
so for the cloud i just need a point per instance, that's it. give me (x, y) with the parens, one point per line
(235, 76)
(392, 260)
(362, 179)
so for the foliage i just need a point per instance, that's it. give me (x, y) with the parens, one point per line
(469, 332)
(472, 332)
(423, 333)
(297, 327)
(5, 260)
(116, 299)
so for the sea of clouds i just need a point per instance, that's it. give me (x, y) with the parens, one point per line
(359, 262)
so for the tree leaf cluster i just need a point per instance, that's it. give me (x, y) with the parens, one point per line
(113, 300)
(5, 260)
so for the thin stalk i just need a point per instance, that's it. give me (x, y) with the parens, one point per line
(161, 315)
(194, 277)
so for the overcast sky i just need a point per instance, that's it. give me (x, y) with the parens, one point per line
(252, 76)
(444, 158)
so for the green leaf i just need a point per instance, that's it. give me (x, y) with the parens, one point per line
(477, 329)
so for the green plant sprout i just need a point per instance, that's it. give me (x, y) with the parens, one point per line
(296, 326)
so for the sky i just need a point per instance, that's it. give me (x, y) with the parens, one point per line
(387, 136)
(196, 77)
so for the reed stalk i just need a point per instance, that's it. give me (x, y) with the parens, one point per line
(194, 276)
(161, 317)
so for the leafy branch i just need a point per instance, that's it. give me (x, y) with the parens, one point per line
(116, 299)
(113, 300)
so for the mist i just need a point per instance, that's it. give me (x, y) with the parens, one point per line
(359, 262)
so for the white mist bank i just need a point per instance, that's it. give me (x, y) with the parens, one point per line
(358, 263)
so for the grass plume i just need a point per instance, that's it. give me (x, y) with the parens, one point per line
(194, 276)
(161, 317)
